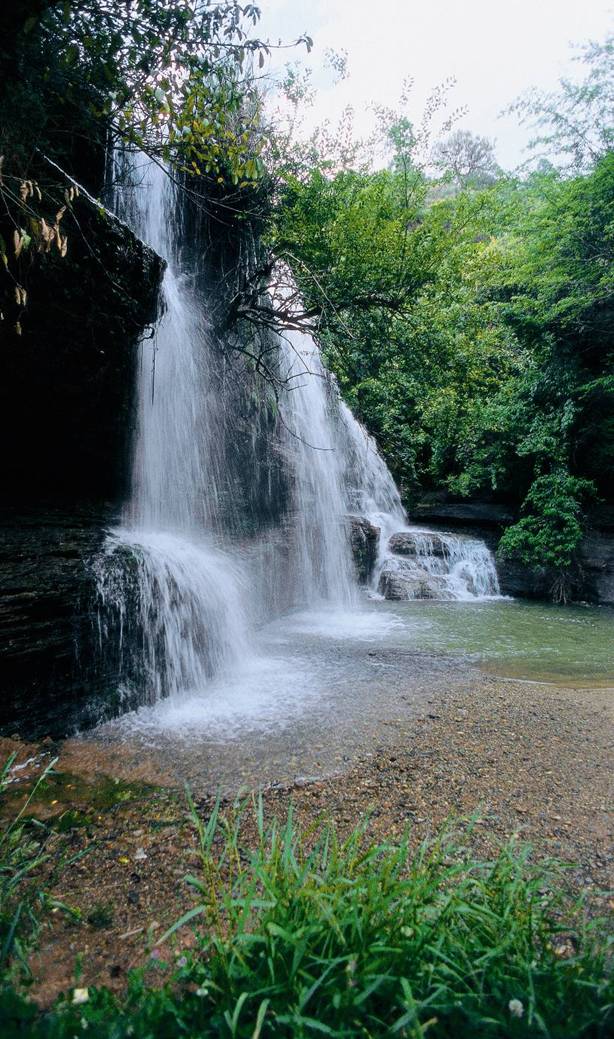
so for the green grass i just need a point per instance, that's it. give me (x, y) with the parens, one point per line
(305, 934)
(23, 850)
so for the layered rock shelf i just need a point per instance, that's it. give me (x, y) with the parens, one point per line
(593, 578)
(424, 564)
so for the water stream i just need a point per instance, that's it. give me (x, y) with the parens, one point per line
(312, 434)
(163, 562)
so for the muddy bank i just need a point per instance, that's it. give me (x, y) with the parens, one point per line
(524, 759)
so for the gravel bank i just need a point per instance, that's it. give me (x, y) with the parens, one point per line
(521, 758)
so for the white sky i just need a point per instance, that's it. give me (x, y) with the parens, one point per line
(496, 50)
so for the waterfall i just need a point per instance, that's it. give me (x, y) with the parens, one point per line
(179, 597)
(371, 490)
(182, 588)
(177, 466)
(312, 438)
(424, 564)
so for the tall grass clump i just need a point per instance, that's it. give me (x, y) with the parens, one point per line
(305, 934)
(23, 851)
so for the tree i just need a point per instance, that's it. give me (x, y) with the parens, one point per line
(172, 78)
(467, 158)
(575, 124)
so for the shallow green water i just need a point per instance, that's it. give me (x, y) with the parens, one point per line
(538, 641)
(325, 685)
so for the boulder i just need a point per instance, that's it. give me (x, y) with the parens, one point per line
(364, 541)
(405, 543)
(405, 583)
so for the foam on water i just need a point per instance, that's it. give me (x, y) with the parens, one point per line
(263, 694)
(361, 625)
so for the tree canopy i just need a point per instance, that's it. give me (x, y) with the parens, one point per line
(473, 331)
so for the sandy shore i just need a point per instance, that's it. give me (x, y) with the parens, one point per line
(522, 758)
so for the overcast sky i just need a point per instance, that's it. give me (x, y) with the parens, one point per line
(496, 50)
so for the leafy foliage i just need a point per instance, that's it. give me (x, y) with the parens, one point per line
(548, 536)
(175, 80)
(417, 343)
(574, 124)
(472, 331)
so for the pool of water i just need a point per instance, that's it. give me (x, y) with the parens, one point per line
(322, 685)
(571, 645)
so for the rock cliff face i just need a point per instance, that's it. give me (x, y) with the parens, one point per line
(50, 676)
(66, 412)
(66, 383)
(597, 557)
(464, 513)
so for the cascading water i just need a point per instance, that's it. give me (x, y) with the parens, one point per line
(371, 491)
(312, 438)
(177, 462)
(181, 588)
(179, 598)
(423, 564)
(444, 566)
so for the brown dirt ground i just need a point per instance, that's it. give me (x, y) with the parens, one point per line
(525, 759)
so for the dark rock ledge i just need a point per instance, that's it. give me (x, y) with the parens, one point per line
(67, 382)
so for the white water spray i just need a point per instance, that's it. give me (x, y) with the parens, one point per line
(162, 563)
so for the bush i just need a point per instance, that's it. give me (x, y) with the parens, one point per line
(547, 538)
